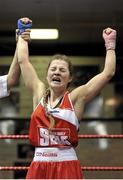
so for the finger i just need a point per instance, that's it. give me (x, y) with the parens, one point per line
(26, 33)
(26, 20)
(27, 30)
(108, 30)
(25, 36)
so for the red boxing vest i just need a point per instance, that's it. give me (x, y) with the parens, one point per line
(65, 132)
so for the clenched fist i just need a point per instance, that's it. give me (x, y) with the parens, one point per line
(109, 36)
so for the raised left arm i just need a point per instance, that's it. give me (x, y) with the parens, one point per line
(96, 84)
(88, 91)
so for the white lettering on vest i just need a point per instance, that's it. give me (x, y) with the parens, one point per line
(54, 137)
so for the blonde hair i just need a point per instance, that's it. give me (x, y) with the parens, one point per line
(52, 120)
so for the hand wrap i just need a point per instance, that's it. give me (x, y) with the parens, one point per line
(110, 39)
(22, 26)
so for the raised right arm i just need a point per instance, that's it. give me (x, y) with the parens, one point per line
(29, 74)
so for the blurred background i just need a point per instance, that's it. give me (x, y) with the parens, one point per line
(80, 24)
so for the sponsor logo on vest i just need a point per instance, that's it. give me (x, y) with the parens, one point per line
(46, 154)
(54, 137)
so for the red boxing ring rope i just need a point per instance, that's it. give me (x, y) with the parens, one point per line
(14, 136)
(84, 168)
(81, 136)
(15, 168)
(89, 136)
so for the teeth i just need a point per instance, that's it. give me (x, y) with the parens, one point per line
(56, 79)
